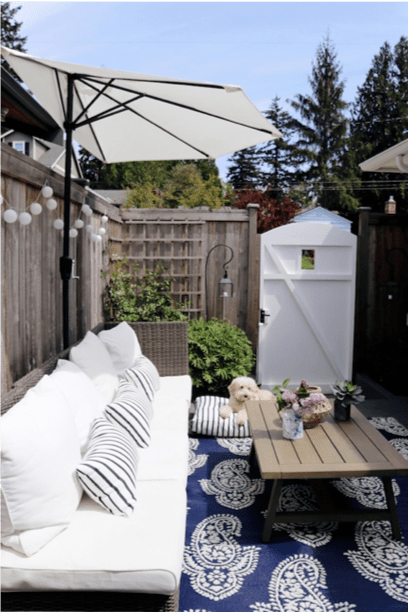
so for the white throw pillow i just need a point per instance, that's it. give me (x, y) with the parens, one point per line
(40, 452)
(123, 346)
(207, 421)
(82, 396)
(144, 374)
(132, 411)
(108, 470)
(92, 356)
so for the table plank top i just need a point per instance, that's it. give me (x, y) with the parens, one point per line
(333, 449)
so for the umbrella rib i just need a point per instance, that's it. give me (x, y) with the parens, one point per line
(132, 110)
(57, 76)
(184, 106)
(92, 101)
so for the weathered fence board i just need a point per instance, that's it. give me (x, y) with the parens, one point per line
(31, 284)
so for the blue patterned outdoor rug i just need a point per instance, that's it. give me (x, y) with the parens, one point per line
(319, 567)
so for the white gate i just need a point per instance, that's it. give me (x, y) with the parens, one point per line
(307, 299)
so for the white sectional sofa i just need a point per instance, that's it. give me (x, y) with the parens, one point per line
(133, 560)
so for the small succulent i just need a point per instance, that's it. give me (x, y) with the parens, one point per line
(347, 393)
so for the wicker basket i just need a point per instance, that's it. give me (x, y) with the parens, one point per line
(319, 414)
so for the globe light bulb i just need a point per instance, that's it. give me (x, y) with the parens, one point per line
(35, 208)
(104, 219)
(58, 224)
(102, 231)
(79, 223)
(10, 216)
(94, 237)
(25, 218)
(89, 228)
(98, 238)
(88, 211)
(73, 233)
(51, 204)
(47, 191)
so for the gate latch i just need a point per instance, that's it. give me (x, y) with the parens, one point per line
(264, 314)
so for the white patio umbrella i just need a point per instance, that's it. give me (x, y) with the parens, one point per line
(122, 116)
(394, 159)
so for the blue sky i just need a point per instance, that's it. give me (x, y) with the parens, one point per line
(265, 47)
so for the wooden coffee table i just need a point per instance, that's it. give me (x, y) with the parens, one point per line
(331, 450)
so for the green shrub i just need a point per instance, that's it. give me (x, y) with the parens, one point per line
(218, 353)
(146, 299)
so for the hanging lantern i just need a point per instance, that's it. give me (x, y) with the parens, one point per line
(391, 206)
(79, 224)
(73, 233)
(104, 219)
(10, 216)
(51, 204)
(58, 224)
(25, 218)
(47, 191)
(102, 231)
(89, 228)
(35, 208)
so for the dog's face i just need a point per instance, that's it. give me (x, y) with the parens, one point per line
(243, 389)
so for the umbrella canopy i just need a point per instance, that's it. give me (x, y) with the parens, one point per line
(121, 116)
(394, 159)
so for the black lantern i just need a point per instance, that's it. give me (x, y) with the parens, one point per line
(225, 285)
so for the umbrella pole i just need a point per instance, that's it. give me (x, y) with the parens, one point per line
(66, 260)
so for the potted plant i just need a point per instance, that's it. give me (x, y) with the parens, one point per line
(345, 394)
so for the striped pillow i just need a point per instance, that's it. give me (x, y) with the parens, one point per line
(107, 472)
(143, 374)
(207, 421)
(132, 411)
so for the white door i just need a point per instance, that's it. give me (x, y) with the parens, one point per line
(307, 296)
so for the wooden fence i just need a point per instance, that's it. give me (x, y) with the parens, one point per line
(381, 330)
(31, 286)
(181, 239)
(189, 244)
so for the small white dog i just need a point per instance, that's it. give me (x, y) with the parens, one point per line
(242, 389)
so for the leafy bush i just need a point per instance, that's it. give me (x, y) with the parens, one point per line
(218, 353)
(147, 299)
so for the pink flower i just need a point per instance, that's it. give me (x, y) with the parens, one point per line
(289, 397)
(303, 383)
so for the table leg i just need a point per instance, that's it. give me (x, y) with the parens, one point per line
(251, 458)
(271, 512)
(392, 508)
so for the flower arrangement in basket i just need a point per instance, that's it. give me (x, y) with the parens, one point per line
(307, 401)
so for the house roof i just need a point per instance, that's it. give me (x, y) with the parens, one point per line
(322, 215)
(24, 113)
(54, 156)
(394, 159)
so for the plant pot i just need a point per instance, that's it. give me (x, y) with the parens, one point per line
(341, 413)
(320, 413)
(292, 425)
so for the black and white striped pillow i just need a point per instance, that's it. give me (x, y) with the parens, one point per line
(144, 374)
(108, 470)
(132, 411)
(207, 421)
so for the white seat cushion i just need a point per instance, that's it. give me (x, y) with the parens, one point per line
(123, 346)
(40, 451)
(101, 552)
(165, 459)
(92, 356)
(82, 396)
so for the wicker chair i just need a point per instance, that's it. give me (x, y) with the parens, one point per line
(166, 344)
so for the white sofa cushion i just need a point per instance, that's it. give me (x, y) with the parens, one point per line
(131, 411)
(123, 346)
(40, 451)
(82, 396)
(144, 374)
(92, 356)
(101, 552)
(171, 405)
(108, 470)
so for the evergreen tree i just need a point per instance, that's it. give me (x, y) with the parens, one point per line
(10, 33)
(380, 120)
(321, 138)
(280, 157)
(243, 171)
